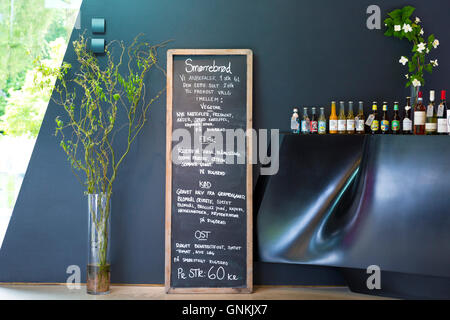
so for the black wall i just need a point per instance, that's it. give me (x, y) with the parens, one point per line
(305, 53)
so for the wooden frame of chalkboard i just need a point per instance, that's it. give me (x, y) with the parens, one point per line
(247, 285)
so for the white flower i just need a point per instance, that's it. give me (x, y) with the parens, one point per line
(428, 50)
(434, 63)
(417, 20)
(397, 27)
(403, 60)
(435, 43)
(416, 83)
(407, 28)
(407, 76)
(421, 32)
(421, 47)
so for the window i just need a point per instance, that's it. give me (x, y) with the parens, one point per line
(28, 30)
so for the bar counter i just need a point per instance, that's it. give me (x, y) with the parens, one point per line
(353, 201)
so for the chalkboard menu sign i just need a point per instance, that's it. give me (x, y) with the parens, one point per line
(208, 171)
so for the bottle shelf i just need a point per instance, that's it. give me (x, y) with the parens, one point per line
(361, 135)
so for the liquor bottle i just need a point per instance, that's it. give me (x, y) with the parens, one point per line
(395, 120)
(295, 122)
(431, 122)
(441, 118)
(313, 123)
(305, 122)
(350, 119)
(322, 123)
(373, 119)
(407, 120)
(333, 119)
(359, 119)
(342, 119)
(419, 116)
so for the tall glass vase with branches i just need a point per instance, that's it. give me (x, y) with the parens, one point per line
(95, 96)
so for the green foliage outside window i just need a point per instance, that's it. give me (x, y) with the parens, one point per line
(26, 106)
(27, 30)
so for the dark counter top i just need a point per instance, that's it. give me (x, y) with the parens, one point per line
(352, 201)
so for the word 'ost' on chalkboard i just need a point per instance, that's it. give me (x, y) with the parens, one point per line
(208, 171)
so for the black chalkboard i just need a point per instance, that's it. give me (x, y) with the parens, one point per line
(208, 179)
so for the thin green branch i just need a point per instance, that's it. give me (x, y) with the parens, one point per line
(104, 96)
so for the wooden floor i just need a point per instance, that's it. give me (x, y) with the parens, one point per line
(61, 292)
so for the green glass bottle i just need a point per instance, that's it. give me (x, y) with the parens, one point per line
(395, 120)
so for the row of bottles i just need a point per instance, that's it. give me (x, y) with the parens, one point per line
(307, 125)
(347, 123)
(431, 119)
(382, 124)
(427, 120)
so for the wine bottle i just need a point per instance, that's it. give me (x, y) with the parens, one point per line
(419, 116)
(441, 117)
(448, 117)
(407, 120)
(431, 122)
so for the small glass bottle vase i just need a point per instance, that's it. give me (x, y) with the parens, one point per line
(98, 268)
(414, 95)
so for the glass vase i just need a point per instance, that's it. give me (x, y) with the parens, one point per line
(98, 268)
(414, 95)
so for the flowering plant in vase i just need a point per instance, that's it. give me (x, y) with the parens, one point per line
(400, 25)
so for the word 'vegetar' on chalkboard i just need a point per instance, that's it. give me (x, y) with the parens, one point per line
(208, 201)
